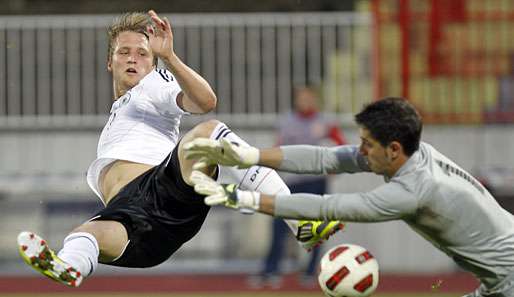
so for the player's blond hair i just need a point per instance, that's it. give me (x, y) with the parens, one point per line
(131, 21)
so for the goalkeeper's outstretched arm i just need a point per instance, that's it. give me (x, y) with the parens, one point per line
(294, 158)
(267, 204)
(271, 157)
(311, 159)
(390, 201)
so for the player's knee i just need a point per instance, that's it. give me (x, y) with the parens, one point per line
(203, 129)
(111, 236)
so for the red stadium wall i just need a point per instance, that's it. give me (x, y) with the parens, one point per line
(453, 59)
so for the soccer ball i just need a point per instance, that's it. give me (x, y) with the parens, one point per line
(348, 270)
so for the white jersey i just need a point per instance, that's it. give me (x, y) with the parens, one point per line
(143, 126)
(433, 195)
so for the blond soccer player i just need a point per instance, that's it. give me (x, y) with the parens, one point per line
(141, 173)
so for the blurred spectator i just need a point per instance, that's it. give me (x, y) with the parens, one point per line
(304, 125)
(504, 110)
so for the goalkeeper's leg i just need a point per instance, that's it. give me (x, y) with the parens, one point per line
(256, 178)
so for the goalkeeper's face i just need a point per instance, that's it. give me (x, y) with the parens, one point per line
(381, 159)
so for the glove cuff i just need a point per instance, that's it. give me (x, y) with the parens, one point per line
(253, 156)
(249, 200)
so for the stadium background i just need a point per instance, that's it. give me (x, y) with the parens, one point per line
(453, 59)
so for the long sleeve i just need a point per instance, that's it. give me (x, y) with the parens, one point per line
(390, 201)
(322, 160)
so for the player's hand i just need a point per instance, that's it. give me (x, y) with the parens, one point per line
(161, 37)
(226, 195)
(209, 152)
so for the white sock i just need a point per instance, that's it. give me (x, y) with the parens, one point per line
(81, 251)
(255, 178)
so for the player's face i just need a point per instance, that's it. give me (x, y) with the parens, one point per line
(377, 155)
(131, 60)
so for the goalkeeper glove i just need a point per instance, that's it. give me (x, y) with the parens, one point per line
(223, 152)
(227, 195)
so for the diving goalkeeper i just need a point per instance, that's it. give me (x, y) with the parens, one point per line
(433, 195)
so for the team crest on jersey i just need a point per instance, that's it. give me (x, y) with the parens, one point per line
(126, 99)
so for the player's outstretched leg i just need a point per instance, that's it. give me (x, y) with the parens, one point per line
(310, 234)
(35, 252)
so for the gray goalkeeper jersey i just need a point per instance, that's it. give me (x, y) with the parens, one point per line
(432, 194)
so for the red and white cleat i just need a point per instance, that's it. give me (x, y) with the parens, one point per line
(35, 252)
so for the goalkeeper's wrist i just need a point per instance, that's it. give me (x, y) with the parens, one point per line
(252, 156)
(247, 199)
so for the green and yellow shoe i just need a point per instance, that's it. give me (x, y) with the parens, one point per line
(311, 234)
(36, 253)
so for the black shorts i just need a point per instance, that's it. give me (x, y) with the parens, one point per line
(160, 212)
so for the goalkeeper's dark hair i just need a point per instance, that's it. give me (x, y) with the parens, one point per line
(392, 119)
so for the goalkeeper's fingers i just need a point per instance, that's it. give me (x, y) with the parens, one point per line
(228, 149)
(196, 153)
(216, 199)
(205, 190)
(201, 143)
(241, 156)
(203, 184)
(226, 143)
(201, 164)
(201, 147)
(193, 154)
(198, 177)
